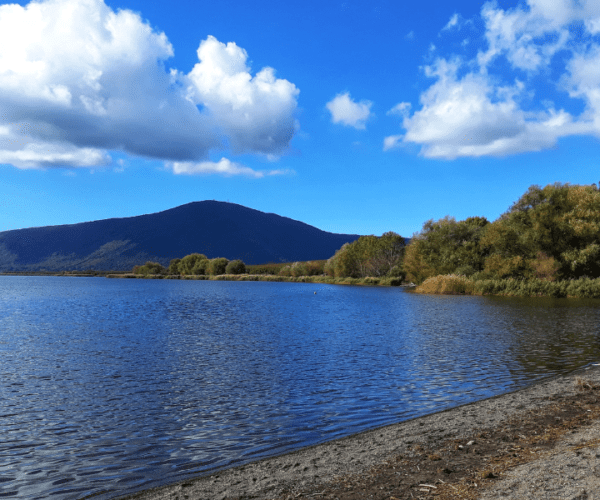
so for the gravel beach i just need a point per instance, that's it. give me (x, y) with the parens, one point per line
(540, 442)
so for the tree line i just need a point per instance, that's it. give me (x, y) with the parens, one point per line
(193, 264)
(548, 234)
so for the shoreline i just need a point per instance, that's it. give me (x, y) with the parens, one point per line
(271, 278)
(327, 470)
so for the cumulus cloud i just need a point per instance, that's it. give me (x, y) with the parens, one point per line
(255, 113)
(472, 110)
(78, 80)
(348, 112)
(222, 167)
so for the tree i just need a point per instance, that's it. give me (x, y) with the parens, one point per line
(446, 247)
(174, 266)
(549, 231)
(388, 254)
(236, 267)
(217, 266)
(149, 267)
(367, 256)
(193, 264)
(298, 269)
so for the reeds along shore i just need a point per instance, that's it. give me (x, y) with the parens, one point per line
(452, 284)
(369, 281)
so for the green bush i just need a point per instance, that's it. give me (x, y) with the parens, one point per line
(270, 268)
(150, 268)
(285, 271)
(200, 267)
(174, 266)
(315, 267)
(193, 264)
(217, 266)
(298, 269)
(368, 256)
(236, 267)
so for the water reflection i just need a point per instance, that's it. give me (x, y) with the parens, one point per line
(115, 385)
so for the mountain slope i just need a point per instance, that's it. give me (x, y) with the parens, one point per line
(216, 229)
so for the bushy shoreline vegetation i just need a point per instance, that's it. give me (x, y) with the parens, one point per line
(511, 287)
(546, 244)
(370, 260)
(324, 279)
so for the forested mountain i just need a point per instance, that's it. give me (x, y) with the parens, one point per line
(216, 229)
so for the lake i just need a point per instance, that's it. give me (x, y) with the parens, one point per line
(110, 386)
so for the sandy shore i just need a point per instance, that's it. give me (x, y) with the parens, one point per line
(502, 447)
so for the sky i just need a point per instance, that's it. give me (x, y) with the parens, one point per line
(353, 116)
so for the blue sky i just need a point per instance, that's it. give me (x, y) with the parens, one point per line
(353, 116)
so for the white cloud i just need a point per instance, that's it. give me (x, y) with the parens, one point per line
(223, 167)
(515, 34)
(480, 112)
(400, 109)
(452, 22)
(78, 79)
(255, 113)
(40, 154)
(392, 141)
(348, 112)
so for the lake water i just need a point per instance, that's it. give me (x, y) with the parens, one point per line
(111, 386)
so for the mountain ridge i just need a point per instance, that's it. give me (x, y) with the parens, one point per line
(215, 228)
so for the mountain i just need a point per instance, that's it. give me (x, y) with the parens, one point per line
(214, 228)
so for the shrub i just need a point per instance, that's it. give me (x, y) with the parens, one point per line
(174, 266)
(298, 269)
(149, 267)
(545, 267)
(285, 271)
(397, 272)
(270, 268)
(450, 284)
(236, 267)
(199, 268)
(190, 263)
(217, 266)
(314, 267)
(329, 267)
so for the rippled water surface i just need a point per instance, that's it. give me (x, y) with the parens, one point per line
(111, 386)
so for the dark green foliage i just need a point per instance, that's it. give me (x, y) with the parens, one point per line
(551, 232)
(315, 267)
(311, 268)
(153, 268)
(174, 266)
(194, 263)
(271, 268)
(235, 267)
(444, 247)
(200, 267)
(217, 266)
(368, 256)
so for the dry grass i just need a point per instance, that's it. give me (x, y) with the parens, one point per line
(450, 284)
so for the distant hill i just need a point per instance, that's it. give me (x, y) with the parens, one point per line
(214, 228)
